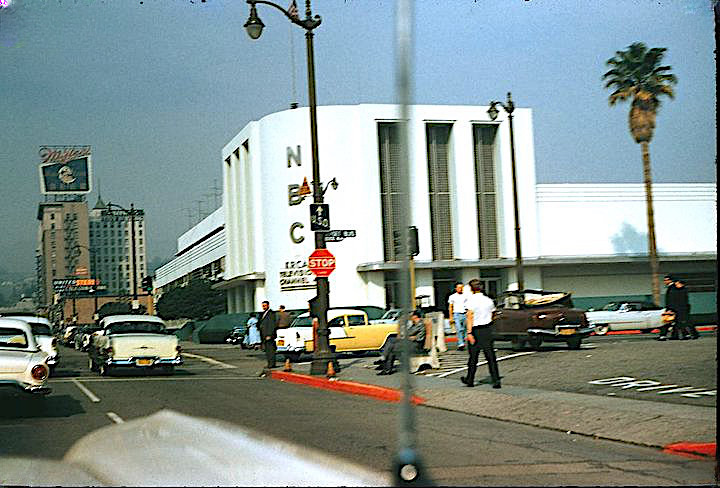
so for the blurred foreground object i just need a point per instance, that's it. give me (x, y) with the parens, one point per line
(172, 449)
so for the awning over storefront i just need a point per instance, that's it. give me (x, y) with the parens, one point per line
(239, 280)
(537, 261)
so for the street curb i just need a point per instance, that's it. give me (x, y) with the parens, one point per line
(704, 449)
(377, 392)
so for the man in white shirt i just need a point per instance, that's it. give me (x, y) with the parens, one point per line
(479, 334)
(456, 309)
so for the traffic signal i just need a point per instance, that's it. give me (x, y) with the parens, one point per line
(147, 283)
(314, 303)
(413, 244)
(413, 247)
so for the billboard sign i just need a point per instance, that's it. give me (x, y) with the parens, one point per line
(65, 170)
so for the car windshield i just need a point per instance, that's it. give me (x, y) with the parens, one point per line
(136, 327)
(302, 322)
(40, 329)
(14, 338)
(611, 307)
(391, 315)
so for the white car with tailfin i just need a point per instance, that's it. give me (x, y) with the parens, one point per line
(139, 342)
(23, 366)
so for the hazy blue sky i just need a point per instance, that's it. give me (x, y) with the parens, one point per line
(158, 87)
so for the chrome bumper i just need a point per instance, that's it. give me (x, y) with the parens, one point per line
(547, 333)
(25, 387)
(132, 362)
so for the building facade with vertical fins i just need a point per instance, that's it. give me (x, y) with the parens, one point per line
(587, 239)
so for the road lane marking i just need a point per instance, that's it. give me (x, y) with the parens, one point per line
(480, 363)
(87, 392)
(210, 360)
(625, 382)
(115, 418)
(176, 378)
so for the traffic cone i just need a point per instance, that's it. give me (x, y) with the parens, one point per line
(330, 371)
(287, 367)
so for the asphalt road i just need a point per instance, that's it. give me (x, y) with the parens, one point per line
(222, 382)
(691, 365)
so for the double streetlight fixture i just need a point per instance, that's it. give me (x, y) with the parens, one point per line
(254, 27)
(493, 112)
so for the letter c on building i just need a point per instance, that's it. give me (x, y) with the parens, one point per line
(293, 227)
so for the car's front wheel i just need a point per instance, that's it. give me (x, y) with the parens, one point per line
(574, 342)
(535, 342)
(602, 329)
(292, 356)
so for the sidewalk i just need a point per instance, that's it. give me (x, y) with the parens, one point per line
(683, 428)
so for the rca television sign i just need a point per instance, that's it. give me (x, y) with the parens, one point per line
(65, 170)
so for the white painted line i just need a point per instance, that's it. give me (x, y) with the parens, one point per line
(209, 360)
(115, 418)
(159, 378)
(448, 373)
(87, 392)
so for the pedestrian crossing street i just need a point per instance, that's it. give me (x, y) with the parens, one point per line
(455, 362)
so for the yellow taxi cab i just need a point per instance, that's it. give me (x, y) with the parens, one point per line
(352, 332)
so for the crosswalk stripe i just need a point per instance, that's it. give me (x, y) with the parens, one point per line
(455, 364)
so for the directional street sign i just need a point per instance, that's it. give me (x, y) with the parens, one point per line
(338, 235)
(321, 262)
(319, 217)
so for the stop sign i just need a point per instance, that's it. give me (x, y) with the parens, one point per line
(321, 262)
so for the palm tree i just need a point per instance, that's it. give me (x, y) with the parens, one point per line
(635, 73)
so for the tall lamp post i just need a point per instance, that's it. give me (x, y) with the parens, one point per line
(254, 27)
(132, 212)
(509, 107)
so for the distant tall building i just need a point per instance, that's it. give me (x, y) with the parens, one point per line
(111, 240)
(76, 243)
(63, 244)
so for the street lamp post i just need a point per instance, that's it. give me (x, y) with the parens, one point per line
(509, 107)
(254, 27)
(132, 212)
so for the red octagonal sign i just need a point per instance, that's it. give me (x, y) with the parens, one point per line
(321, 262)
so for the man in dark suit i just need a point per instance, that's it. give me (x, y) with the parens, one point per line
(267, 324)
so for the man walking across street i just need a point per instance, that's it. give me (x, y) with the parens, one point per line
(676, 301)
(682, 313)
(479, 334)
(268, 331)
(456, 310)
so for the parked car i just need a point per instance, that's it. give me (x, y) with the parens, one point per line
(351, 332)
(237, 335)
(291, 340)
(140, 342)
(23, 366)
(42, 330)
(628, 315)
(537, 316)
(392, 315)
